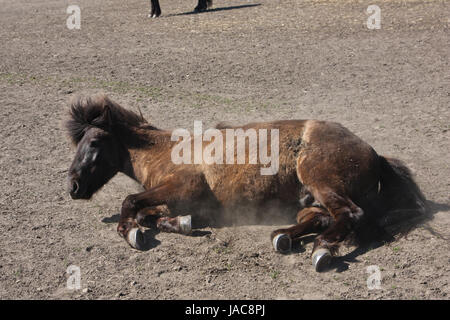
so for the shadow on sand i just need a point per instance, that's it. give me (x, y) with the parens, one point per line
(215, 10)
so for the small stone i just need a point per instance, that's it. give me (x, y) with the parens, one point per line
(85, 290)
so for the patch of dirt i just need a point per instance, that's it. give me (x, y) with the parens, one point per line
(243, 61)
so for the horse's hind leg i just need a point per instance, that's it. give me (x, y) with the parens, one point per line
(309, 220)
(346, 214)
(307, 200)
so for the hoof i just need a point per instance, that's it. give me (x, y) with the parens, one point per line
(154, 14)
(282, 243)
(321, 258)
(198, 9)
(185, 224)
(136, 239)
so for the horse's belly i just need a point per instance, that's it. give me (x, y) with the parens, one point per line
(243, 184)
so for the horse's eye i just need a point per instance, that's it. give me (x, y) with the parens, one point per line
(95, 156)
(94, 144)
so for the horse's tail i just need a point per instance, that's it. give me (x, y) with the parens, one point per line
(400, 194)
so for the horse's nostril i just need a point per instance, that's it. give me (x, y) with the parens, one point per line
(75, 187)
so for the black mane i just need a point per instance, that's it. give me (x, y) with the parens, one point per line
(88, 112)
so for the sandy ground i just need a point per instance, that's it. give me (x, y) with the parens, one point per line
(242, 61)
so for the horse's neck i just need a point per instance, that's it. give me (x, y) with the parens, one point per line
(148, 164)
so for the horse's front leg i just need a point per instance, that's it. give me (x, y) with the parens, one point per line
(148, 217)
(159, 217)
(159, 195)
(203, 5)
(155, 10)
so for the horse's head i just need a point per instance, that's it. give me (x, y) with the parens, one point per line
(96, 162)
(97, 158)
(98, 127)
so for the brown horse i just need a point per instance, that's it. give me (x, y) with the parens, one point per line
(337, 182)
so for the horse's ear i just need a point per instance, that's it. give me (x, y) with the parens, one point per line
(104, 120)
(107, 116)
